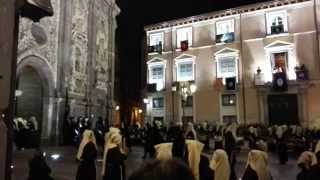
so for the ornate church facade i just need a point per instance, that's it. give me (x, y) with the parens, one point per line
(66, 64)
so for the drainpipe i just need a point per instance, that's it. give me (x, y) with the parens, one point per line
(242, 75)
(317, 27)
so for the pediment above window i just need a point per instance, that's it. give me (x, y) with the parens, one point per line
(278, 45)
(184, 57)
(157, 60)
(227, 52)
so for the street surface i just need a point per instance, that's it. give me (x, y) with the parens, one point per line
(65, 168)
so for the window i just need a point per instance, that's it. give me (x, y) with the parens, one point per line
(158, 103)
(229, 119)
(184, 34)
(155, 39)
(228, 100)
(227, 67)
(225, 31)
(156, 76)
(279, 62)
(185, 71)
(188, 102)
(277, 22)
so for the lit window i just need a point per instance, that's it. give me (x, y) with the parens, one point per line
(279, 62)
(158, 102)
(185, 70)
(156, 76)
(277, 22)
(155, 39)
(227, 67)
(228, 100)
(188, 102)
(184, 34)
(225, 31)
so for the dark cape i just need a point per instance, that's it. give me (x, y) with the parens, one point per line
(87, 167)
(38, 169)
(315, 172)
(115, 168)
(250, 174)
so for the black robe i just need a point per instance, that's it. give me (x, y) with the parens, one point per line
(87, 167)
(315, 172)
(115, 168)
(206, 173)
(38, 169)
(250, 174)
(303, 175)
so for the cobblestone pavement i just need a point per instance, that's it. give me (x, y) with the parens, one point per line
(65, 167)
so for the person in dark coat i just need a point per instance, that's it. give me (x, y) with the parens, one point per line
(38, 168)
(87, 155)
(305, 161)
(315, 169)
(113, 167)
(282, 145)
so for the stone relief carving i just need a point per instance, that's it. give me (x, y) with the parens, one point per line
(79, 55)
(102, 60)
(40, 38)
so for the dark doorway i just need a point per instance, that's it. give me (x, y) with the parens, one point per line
(283, 109)
(29, 105)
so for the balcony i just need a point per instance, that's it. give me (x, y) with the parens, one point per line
(225, 38)
(277, 29)
(155, 49)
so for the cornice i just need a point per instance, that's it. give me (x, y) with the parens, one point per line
(223, 13)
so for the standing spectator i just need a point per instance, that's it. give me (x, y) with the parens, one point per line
(38, 167)
(87, 154)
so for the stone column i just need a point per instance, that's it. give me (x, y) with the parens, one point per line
(8, 55)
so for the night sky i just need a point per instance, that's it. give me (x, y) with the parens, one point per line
(135, 14)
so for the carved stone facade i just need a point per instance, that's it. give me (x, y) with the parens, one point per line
(76, 50)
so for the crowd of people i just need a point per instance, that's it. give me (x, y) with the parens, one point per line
(26, 132)
(181, 151)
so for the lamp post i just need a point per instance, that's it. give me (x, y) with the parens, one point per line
(187, 89)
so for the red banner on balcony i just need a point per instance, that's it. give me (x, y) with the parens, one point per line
(184, 45)
(218, 84)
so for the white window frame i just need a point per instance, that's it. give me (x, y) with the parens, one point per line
(291, 59)
(271, 15)
(160, 83)
(222, 55)
(180, 32)
(184, 61)
(154, 35)
(163, 105)
(223, 22)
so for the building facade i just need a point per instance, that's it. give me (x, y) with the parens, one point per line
(66, 64)
(252, 64)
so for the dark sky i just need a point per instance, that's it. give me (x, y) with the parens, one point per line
(135, 14)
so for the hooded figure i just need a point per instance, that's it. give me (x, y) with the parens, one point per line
(305, 161)
(220, 164)
(113, 162)
(194, 149)
(87, 155)
(257, 166)
(38, 168)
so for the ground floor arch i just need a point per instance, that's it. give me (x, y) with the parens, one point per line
(36, 83)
